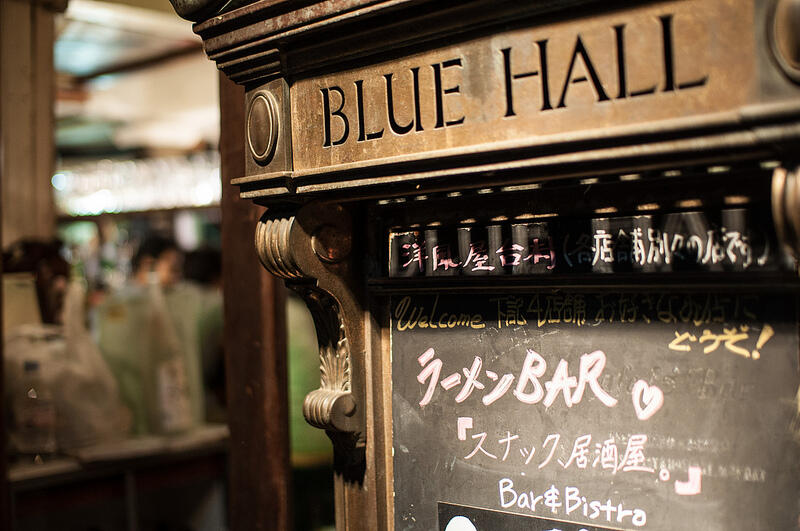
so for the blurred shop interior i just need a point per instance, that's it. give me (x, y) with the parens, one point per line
(113, 360)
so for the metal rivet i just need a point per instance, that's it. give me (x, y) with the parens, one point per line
(262, 126)
(330, 244)
(785, 37)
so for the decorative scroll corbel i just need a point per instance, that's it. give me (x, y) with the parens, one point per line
(786, 208)
(311, 251)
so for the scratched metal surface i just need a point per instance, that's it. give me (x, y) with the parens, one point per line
(531, 86)
(719, 452)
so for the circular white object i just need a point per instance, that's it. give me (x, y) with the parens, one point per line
(460, 523)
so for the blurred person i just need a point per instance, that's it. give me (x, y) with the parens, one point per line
(49, 269)
(203, 267)
(157, 255)
(149, 331)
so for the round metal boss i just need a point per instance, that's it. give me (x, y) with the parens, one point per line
(262, 126)
(785, 36)
(331, 244)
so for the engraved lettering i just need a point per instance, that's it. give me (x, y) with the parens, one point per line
(612, 69)
(619, 33)
(417, 111)
(396, 128)
(327, 114)
(670, 83)
(580, 50)
(440, 93)
(511, 77)
(362, 130)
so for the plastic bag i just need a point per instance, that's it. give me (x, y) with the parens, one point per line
(85, 393)
(170, 404)
(149, 337)
(89, 408)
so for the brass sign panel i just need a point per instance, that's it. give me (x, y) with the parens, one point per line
(598, 75)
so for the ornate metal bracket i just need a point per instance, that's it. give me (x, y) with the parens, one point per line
(311, 250)
(786, 208)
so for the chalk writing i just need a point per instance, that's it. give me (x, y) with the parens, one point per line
(556, 501)
(596, 309)
(612, 454)
(672, 242)
(730, 338)
(647, 399)
(610, 394)
(408, 317)
(581, 309)
(691, 486)
(649, 246)
(608, 454)
(529, 389)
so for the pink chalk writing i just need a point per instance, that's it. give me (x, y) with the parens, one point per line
(528, 390)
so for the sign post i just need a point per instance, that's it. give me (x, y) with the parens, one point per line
(550, 250)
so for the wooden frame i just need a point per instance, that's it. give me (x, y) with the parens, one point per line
(255, 350)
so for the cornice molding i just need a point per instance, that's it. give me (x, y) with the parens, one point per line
(269, 39)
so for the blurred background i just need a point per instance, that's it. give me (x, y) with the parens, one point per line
(113, 359)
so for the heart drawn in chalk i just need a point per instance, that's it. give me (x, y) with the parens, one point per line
(647, 399)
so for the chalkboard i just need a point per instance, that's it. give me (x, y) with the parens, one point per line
(565, 410)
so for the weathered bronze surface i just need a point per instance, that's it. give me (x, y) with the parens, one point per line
(671, 61)
(394, 93)
(786, 36)
(311, 249)
(308, 250)
(786, 208)
(556, 93)
(366, 114)
(263, 124)
(269, 137)
(195, 10)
